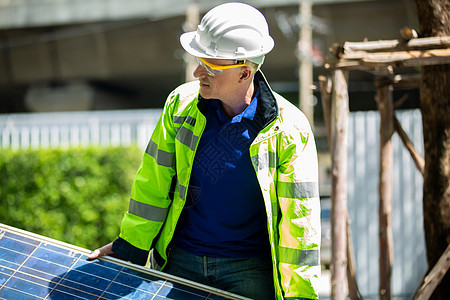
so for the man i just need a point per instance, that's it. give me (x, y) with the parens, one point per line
(227, 191)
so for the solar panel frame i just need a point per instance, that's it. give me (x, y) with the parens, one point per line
(37, 267)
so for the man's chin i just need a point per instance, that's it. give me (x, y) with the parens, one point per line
(204, 94)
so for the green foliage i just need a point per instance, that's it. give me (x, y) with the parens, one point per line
(77, 196)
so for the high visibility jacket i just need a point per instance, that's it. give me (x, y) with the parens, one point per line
(285, 161)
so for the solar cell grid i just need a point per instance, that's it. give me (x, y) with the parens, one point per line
(34, 267)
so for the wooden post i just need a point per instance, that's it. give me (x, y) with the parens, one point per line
(353, 290)
(386, 108)
(325, 88)
(305, 67)
(339, 134)
(192, 20)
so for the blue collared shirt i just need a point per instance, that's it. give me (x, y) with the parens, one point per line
(224, 215)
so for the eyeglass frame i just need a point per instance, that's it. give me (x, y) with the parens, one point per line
(216, 70)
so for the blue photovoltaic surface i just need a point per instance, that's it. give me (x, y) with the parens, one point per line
(35, 268)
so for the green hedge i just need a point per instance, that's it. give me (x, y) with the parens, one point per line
(77, 196)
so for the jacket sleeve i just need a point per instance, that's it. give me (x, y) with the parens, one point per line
(299, 221)
(150, 194)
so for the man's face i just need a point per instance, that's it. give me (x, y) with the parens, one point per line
(221, 86)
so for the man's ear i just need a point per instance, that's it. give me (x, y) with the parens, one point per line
(246, 73)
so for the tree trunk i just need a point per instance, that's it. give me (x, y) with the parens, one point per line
(434, 19)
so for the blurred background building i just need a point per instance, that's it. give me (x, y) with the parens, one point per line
(75, 55)
(97, 55)
(59, 55)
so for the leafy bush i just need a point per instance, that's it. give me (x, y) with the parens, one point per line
(77, 196)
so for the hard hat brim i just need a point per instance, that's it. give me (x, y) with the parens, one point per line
(190, 45)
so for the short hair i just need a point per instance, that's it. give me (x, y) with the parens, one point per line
(255, 67)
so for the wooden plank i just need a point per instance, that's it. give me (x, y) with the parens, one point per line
(434, 278)
(362, 60)
(417, 158)
(435, 41)
(410, 58)
(350, 47)
(429, 42)
(392, 56)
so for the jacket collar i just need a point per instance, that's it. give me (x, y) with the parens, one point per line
(267, 106)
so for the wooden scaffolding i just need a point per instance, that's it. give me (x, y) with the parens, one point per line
(382, 59)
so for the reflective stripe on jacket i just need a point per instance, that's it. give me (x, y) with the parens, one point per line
(285, 160)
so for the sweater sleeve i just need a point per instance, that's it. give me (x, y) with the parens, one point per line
(129, 252)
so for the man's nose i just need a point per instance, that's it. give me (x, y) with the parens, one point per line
(199, 72)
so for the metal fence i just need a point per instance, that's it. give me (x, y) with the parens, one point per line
(410, 263)
(74, 129)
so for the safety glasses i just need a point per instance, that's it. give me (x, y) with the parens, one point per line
(216, 70)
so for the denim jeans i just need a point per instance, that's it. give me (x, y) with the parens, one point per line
(249, 277)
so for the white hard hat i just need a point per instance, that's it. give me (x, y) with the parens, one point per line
(230, 31)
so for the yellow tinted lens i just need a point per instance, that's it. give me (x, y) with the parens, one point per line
(212, 68)
(208, 68)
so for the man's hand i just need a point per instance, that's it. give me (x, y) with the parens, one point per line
(105, 250)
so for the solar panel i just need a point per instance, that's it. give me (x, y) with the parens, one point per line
(35, 267)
